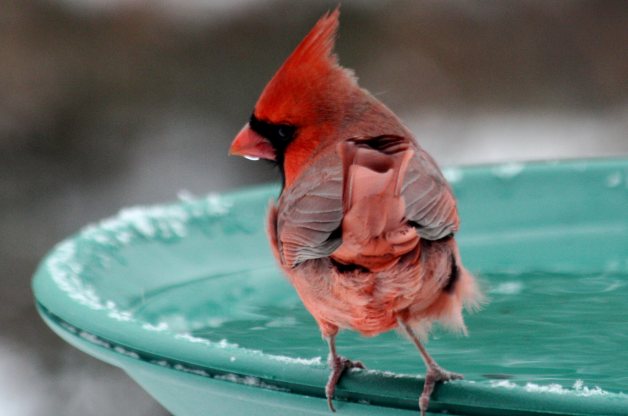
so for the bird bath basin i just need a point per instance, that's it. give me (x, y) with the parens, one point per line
(187, 300)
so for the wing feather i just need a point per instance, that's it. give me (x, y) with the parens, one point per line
(430, 203)
(310, 213)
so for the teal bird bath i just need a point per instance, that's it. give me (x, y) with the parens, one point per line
(187, 300)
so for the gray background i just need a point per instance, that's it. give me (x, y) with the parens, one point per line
(106, 104)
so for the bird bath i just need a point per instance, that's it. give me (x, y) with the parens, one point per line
(187, 300)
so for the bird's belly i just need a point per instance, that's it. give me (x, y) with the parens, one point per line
(363, 301)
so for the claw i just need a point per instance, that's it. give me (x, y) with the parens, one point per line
(338, 366)
(435, 374)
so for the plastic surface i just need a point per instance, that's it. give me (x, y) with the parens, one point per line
(187, 300)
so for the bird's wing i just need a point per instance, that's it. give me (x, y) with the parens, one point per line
(310, 214)
(430, 203)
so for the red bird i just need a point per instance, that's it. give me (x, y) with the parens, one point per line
(364, 226)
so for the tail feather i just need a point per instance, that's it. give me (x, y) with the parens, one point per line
(448, 307)
(374, 230)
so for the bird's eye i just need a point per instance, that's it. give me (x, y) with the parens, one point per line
(282, 132)
(278, 134)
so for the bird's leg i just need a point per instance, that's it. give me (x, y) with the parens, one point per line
(337, 365)
(434, 372)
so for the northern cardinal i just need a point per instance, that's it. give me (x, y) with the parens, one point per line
(364, 226)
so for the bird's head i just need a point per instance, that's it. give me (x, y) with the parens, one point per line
(300, 104)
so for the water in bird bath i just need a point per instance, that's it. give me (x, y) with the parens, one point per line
(541, 331)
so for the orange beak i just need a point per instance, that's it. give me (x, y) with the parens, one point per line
(251, 145)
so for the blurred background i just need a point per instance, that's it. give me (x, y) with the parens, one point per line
(111, 103)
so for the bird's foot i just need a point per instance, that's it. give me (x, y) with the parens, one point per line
(338, 366)
(434, 375)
